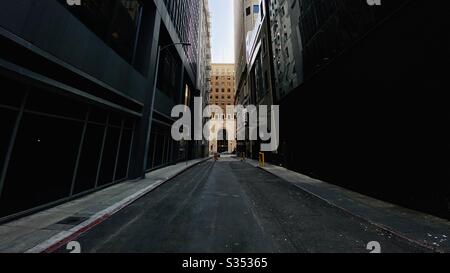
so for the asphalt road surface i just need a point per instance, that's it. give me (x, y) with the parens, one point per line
(232, 207)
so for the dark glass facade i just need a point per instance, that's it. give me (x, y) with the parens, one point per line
(77, 105)
(185, 18)
(59, 147)
(328, 27)
(116, 22)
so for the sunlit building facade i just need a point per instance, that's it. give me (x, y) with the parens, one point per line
(223, 95)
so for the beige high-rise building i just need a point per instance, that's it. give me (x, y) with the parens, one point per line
(222, 95)
(250, 25)
(244, 22)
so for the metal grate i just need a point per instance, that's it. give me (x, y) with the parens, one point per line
(72, 221)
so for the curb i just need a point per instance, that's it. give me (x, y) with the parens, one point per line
(64, 237)
(350, 213)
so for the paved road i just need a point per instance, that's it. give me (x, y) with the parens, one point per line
(230, 206)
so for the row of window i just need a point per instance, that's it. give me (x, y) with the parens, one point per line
(169, 75)
(216, 116)
(229, 78)
(185, 17)
(217, 97)
(59, 147)
(217, 90)
(161, 148)
(222, 71)
(230, 83)
(223, 103)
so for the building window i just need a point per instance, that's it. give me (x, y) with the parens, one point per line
(53, 134)
(248, 11)
(116, 22)
(256, 9)
(168, 75)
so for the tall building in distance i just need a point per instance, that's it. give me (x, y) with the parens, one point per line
(254, 69)
(222, 95)
(204, 62)
(79, 107)
(245, 18)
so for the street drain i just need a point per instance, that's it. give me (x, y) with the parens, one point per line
(72, 221)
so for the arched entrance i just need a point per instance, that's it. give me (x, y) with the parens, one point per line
(222, 141)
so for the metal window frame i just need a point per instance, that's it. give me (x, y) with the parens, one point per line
(131, 148)
(119, 145)
(80, 151)
(105, 132)
(12, 141)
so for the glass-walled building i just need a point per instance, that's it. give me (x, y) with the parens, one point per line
(77, 102)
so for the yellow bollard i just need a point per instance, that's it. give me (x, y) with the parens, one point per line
(261, 160)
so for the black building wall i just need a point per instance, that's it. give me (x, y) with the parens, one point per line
(77, 105)
(328, 27)
(374, 118)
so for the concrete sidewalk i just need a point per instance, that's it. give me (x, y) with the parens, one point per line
(49, 229)
(419, 228)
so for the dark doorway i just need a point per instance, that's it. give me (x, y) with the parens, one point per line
(222, 142)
